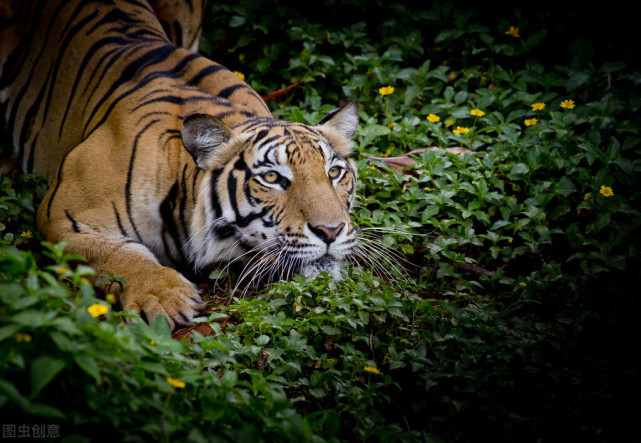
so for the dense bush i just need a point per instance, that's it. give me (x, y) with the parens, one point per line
(493, 295)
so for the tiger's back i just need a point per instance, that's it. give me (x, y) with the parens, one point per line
(93, 60)
(161, 160)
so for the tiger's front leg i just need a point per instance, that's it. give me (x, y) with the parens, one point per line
(151, 289)
(83, 208)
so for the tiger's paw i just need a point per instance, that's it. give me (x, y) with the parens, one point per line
(165, 292)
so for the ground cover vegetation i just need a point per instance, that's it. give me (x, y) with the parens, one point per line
(495, 292)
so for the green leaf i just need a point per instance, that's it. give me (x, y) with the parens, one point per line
(88, 364)
(47, 411)
(317, 392)
(43, 370)
(9, 390)
(32, 318)
(66, 325)
(451, 34)
(536, 37)
(370, 132)
(429, 212)
(155, 367)
(611, 67)
(330, 330)
(11, 292)
(160, 326)
(460, 97)
(576, 80)
(236, 21)
(518, 171)
(61, 340)
(566, 187)
(8, 331)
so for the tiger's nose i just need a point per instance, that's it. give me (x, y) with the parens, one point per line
(326, 233)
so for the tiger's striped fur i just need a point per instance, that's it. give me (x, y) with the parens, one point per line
(161, 160)
(181, 20)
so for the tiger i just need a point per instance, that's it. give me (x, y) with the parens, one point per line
(161, 163)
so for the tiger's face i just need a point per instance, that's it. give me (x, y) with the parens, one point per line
(278, 194)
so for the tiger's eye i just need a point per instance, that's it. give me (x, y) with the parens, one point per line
(334, 171)
(271, 176)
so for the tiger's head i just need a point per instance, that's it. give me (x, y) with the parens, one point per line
(275, 194)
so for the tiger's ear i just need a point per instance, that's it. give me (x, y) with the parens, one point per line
(201, 135)
(344, 119)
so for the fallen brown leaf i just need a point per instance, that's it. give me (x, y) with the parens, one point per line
(403, 161)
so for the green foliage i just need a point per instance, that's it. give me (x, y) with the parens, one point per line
(19, 200)
(512, 318)
(62, 365)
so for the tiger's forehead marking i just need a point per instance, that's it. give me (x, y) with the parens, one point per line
(279, 142)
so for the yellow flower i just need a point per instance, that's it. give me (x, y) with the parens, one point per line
(587, 196)
(460, 130)
(523, 284)
(152, 342)
(372, 370)
(538, 106)
(96, 310)
(176, 383)
(61, 270)
(21, 336)
(531, 121)
(606, 191)
(240, 74)
(386, 90)
(514, 32)
(568, 104)
(433, 118)
(509, 240)
(373, 168)
(26, 234)
(111, 298)
(477, 113)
